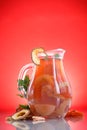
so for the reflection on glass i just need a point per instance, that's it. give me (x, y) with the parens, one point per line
(51, 124)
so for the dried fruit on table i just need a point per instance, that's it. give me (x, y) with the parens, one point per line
(21, 114)
(74, 115)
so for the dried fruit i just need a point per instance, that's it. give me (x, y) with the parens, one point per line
(9, 118)
(35, 52)
(38, 118)
(74, 115)
(21, 114)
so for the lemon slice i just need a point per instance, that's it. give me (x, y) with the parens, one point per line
(35, 52)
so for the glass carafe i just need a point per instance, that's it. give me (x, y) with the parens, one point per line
(49, 91)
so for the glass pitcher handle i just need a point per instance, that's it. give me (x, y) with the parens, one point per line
(21, 77)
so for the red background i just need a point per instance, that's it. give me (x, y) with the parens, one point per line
(51, 24)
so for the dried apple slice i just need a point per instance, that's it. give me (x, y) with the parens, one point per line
(35, 52)
(21, 114)
(44, 109)
(38, 118)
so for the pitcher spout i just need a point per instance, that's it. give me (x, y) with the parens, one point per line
(60, 53)
(56, 53)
